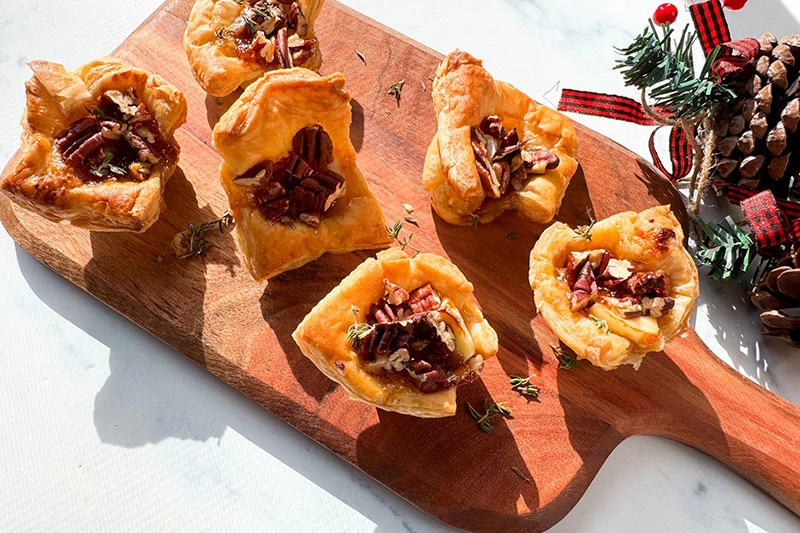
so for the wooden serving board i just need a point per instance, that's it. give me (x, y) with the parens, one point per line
(211, 310)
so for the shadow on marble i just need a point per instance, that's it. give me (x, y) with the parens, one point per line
(147, 398)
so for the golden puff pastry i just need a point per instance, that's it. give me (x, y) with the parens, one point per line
(290, 173)
(97, 145)
(400, 333)
(230, 43)
(495, 148)
(617, 290)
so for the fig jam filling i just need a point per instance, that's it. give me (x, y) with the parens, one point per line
(120, 140)
(407, 335)
(597, 275)
(300, 186)
(271, 33)
(501, 159)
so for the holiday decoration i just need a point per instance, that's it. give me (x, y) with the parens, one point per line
(734, 4)
(665, 14)
(755, 132)
(779, 290)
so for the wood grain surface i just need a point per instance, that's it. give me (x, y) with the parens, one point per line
(211, 310)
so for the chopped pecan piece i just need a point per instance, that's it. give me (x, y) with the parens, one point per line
(585, 290)
(395, 293)
(657, 306)
(282, 46)
(424, 299)
(74, 132)
(540, 161)
(654, 283)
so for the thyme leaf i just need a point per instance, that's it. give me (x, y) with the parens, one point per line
(394, 233)
(518, 472)
(514, 236)
(474, 221)
(361, 57)
(524, 387)
(358, 330)
(566, 358)
(396, 90)
(492, 410)
(192, 242)
(601, 324)
(586, 231)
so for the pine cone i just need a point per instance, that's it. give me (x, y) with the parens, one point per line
(757, 131)
(777, 291)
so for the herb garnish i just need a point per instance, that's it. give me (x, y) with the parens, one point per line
(586, 231)
(361, 57)
(105, 168)
(221, 33)
(601, 324)
(358, 330)
(493, 410)
(513, 236)
(518, 472)
(396, 90)
(197, 243)
(96, 112)
(524, 387)
(252, 27)
(474, 221)
(412, 221)
(394, 233)
(409, 208)
(566, 359)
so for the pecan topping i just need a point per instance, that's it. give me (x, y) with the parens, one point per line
(598, 274)
(268, 33)
(121, 134)
(500, 158)
(300, 186)
(409, 336)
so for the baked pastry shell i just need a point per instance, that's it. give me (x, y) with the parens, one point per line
(261, 126)
(215, 65)
(464, 93)
(652, 240)
(44, 184)
(322, 335)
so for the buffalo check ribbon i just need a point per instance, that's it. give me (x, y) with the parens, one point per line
(712, 28)
(773, 222)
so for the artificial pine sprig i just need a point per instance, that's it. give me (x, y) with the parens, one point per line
(663, 70)
(727, 249)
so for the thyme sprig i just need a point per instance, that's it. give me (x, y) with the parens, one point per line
(394, 233)
(192, 242)
(524, 387)
(474, 220)
(566, 358)
(600, 324)
(396, 90)
(358, 330)
(586, 231)
(492, 410)
(106, 167)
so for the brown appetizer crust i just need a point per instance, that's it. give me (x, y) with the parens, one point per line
(495, 148)
(97, 145)
(400, 333)
(290, 173)
(618, 290)
(230, 43)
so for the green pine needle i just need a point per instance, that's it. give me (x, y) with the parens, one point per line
(665, 68)
(727, 249)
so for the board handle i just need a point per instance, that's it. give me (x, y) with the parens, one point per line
(722, 413)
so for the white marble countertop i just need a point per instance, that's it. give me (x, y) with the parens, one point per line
(106, 428)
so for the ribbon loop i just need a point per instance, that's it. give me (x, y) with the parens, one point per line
(766, 220)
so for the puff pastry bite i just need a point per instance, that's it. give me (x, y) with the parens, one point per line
(495, 148)
(97, 145)
(617, 290)
(290, 173)
(232, 42)
(418, 333)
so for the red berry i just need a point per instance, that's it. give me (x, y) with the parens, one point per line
(734, 4)
(666, 14)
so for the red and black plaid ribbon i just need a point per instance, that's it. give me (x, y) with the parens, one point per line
(737, 194)
(604, 105)
(734, 55)
(712, 28)
(680, 152)
(767, 222)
